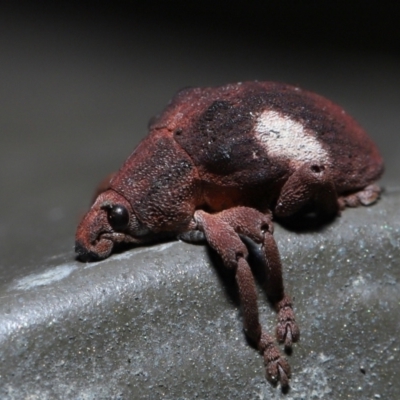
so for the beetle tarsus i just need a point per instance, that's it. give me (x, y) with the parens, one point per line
(365, 197)
(277, 369)
(193, 236)
(287, 330)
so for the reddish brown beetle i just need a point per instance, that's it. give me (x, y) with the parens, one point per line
(219, 162)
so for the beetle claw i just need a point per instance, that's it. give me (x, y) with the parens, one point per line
(277, 369)
(287, 331)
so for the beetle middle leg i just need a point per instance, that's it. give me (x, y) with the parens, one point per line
(222, 233)
(310, 183)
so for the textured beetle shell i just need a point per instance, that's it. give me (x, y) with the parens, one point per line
(240, 144)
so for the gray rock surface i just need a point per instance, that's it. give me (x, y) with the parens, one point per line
(163, 321)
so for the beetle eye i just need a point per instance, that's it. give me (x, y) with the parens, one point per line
(118, 217)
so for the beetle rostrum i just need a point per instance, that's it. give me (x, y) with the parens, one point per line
(217, 165)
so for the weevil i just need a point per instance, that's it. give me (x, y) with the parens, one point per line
(220, 163)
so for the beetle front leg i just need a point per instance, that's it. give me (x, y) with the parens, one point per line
(277, 368)
(220, 233)
(287, 330)
(259, 227)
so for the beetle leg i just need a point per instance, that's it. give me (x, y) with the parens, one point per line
(365, 197)
(309, 183)
(277, 368)
(221, 231)
(287, 330)
(259, 227)
(193, 236)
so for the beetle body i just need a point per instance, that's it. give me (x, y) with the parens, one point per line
(222, 161)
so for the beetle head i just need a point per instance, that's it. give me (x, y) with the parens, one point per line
(110, 220)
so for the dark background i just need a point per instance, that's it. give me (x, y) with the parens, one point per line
(79, 81)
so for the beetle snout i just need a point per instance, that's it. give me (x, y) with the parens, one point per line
(93, 252)
(90, 241)
(85, 254)
(109, 221)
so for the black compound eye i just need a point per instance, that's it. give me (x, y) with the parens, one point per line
(118, 217)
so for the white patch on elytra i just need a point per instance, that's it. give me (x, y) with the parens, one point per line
(283, 137)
